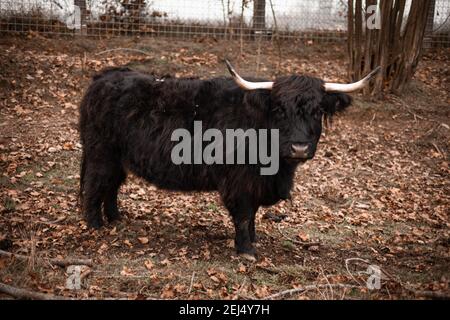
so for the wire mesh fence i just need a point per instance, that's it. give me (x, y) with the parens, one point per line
(315, 20)
(438, 33)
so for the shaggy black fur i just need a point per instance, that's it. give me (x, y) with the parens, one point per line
(127, 119)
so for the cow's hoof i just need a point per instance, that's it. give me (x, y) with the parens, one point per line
(114, 217)
(248, 257)
(95, 224)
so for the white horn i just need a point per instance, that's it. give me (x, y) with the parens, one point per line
(347, 88)
(247, 85)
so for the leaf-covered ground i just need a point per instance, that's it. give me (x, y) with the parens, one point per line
(377, 193)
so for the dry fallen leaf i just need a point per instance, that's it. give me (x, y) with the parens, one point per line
(168, 292)
(165, 262)
(143, 240)
(148, 264)
(127, 272)
(303, 236)
(128, 243)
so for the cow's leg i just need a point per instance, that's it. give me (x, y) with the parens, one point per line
(251, 227)
(101, 177)
(110, 200)
(243, 243)
(92, 198)
(242, 212)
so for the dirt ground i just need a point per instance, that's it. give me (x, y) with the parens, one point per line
(377, 192)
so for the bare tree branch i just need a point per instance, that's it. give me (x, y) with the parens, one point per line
(290, 292)
(57, 262)
(27, 294)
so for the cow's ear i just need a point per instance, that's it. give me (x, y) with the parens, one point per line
(335, 102)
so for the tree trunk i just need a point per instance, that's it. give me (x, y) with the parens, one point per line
(396, 46)
(259, 15)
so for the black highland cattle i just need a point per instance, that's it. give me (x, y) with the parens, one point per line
(127, 119)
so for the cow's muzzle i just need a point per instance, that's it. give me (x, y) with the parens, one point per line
(302, 151)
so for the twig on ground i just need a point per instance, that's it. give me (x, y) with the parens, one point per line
(290, 292)
(408, 109)
(344, 292)
(328, 282)
(57, 262)
(51, 223)
(32, 257)
(348, 270)
(33, 295)
(438, 149)
(373, 118)
(27, 294)
(85, 273)
(415, 115)
(300, 243)
(124, 49)
(192, 282)
(238, 293)
(268, 270)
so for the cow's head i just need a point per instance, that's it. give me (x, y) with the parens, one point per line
(298, 106)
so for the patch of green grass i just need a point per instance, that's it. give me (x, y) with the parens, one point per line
(263, 278)
(55, 179)
(28, 177)
(284, 276)
(9, 203)
(288, 245)
(212, 207)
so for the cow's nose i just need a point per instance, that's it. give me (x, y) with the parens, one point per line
(301, 150)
